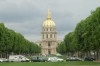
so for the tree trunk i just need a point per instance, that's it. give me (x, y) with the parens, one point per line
(97, 54)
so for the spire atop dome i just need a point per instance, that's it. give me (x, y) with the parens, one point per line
(48, 22)
(49, 14)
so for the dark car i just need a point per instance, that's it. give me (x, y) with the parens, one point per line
(38, 59)
(73, 59)
(89, 59)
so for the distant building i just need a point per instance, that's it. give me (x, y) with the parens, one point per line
(48, 36)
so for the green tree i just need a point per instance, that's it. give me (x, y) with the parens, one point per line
(87, 33)
(61, 48)
(12, 42)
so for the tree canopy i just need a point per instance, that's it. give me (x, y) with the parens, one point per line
(86, 36)
(11, 41)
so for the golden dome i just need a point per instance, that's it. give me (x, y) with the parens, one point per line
(48, 22)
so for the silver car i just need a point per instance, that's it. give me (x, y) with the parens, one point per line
(3, 60)
(54, 59)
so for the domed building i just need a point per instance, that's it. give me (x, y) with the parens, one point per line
(49, 36)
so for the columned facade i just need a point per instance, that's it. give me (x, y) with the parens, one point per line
(49, 36)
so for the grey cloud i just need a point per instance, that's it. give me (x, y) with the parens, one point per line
(27, 16)
(12, 11)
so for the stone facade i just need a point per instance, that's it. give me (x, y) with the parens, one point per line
(48, 36)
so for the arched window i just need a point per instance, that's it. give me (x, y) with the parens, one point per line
(47, 29)
(43, 36)
(49, 51)
(46, 35)
(50, 35)
(50, 29)
(54, 35)
(49, 43)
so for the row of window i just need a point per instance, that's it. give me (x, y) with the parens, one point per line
(51, 36)
(49, 29)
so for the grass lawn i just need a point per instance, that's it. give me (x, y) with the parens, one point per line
(50, 63)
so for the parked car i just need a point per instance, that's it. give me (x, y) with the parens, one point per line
(89, 59)
(18, 58)
(54, 59)
(38, 59)
(3, 60)
(73, 59)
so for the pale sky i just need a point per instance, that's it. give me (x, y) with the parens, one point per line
(26, 16)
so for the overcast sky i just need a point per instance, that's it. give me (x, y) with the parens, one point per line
(26, 16)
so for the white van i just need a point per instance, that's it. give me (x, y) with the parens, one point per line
(18, 58)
